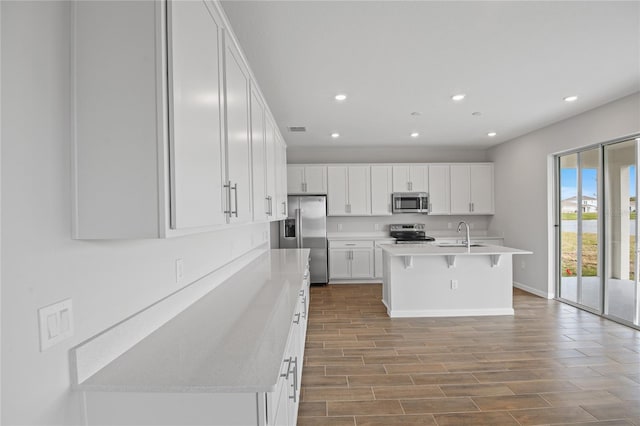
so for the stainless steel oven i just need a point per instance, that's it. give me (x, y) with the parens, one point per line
(410, 202)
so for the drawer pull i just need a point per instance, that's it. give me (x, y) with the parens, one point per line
(297, 321)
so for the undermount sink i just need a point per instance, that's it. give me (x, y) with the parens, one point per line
(459, 245)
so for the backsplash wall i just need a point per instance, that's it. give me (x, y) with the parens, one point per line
(438, 225)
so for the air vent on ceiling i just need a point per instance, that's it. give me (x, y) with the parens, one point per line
(297, 129)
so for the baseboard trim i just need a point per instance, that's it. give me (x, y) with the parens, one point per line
(532, 290)
(450, 313)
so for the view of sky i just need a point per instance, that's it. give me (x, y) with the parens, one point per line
(568, 178)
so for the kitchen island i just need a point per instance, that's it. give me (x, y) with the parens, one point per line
(431, 280)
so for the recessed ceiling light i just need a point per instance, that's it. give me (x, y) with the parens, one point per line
(415, 134)
(572, 98)
(491, 134)
(335, 135)
(340, 97)
(458, 97)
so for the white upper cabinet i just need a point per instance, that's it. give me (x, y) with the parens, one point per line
(237, 120)
(472, 189)
(411, 178)
(349, 190)
(196, 154)
(302, 179)
(261, 203)
(272, 155)
(281, 177)
(381, 189)
(439, 189)
(161, 120)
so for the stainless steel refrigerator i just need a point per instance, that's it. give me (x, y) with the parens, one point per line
(306, 227)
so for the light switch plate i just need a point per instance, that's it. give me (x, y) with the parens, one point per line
(56, 323)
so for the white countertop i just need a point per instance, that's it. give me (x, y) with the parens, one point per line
(231, 340)
(435, 250)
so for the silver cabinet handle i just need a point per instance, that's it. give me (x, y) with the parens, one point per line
(469, 207)
(473, 207)
(284, 208)
(350, 244)
(235, 191)
(288, 362)
(304, 304)
(297, 320)
(227, 186)
(295, 379)
(269, 206)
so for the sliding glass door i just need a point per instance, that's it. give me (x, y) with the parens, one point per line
(598, 227)
(580, 278)
(621, 297)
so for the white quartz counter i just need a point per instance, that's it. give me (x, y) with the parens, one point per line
(435, 250)
(231, 340)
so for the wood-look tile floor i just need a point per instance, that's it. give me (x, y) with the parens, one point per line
(548, 364)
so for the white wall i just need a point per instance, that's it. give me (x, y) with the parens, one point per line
(401, 154)
(523, 179)
(107, 280)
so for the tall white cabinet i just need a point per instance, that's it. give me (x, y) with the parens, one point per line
(236, 86)
(348, 191)
(161, 117)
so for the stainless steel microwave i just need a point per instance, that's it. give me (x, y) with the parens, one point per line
(410, 202)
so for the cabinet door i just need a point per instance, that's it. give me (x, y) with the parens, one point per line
(460, 189)
(337, 190)
(381, 188)
(196, 154)
(362, 263)
(419, 178)
(359, 191)
(271, 167)
(237, 115)
(295, 180)
(481, 182)
(339, 263)
(401, 178)
(315, 179)
(439, 189)
(281, 177)
(258, 160)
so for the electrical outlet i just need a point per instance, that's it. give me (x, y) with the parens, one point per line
(376, 227)
(56, 323)
(454, 284)
(339, 227)
(470, 225)
(179, 270)
(449, 225)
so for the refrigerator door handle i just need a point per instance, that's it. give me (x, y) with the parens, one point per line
(299, 227)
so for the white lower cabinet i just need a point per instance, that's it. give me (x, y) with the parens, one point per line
(350, 259)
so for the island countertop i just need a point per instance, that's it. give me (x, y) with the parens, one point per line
(448, 250)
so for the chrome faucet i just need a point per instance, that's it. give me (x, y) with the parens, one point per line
(468, 240)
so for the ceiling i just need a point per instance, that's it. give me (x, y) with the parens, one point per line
(514, 60)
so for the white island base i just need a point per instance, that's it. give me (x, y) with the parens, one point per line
(432, 281)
